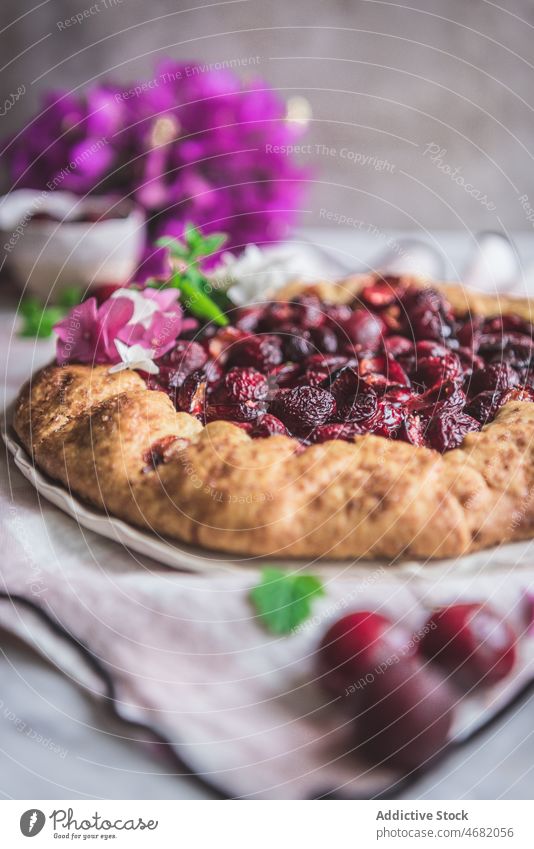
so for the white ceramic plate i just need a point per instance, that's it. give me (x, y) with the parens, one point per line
(507, 559)
(142, 542)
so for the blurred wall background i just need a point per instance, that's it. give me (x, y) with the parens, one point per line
(422, 116)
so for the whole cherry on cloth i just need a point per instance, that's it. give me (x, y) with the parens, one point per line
(471, 642)
(405, 715)
(357, 648)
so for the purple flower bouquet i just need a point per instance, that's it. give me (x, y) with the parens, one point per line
(189, 145)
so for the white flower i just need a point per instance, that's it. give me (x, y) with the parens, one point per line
(258, 272)
(144, 308)
(134, 357)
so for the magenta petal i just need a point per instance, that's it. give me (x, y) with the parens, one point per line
(76, 333)
(92, 157)
(163, 332)
(159, 336)
(104, 112)
(88, 334)
(133, 334)
(155, 265)
(165, 298)
(113, 315)
(189, 324)
(224, 170)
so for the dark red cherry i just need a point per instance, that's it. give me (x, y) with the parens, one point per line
(303, 407)
(405, 715)
(447, 429)
(365, 329)
(496, 377)
(471, 642)
(103, 291)
(357, 647)
(398, 346)
(268, 426)
(382, 293)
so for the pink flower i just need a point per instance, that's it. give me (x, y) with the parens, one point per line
(157, 319)
(149, 318)
(87, 333)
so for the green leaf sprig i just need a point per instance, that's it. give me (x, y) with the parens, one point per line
(199, 296)
(38, 320)
(283, 600)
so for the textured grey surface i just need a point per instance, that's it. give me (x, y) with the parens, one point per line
(56, 743)
(384, 79)
(88, 754)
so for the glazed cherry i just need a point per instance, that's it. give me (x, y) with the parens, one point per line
(245, 384)
(426, 314)
(186, 357)
(434, 370)
(356, 648)
(405, 715)
(382, 293)
(356, 401)
(346, 431)
(471, 642)
(268, 426)
(484, 406)
(397, 363)
(365, 329)
(497, 377)
(260, 352)
(303, 407)
(447, 429)
(192, 393)
(398, 346)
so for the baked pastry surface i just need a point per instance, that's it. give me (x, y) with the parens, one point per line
(124, 448)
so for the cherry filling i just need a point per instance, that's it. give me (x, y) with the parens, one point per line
(397, 362)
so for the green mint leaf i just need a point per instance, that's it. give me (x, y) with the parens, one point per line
(38, 321)
(177, 249)
(195, 242)
(70, 297)
(194, 276)
(213, 242)
(197, 302)
(284, 600)
(192, 235)
(29, 306)
(49, 318)
(200, 245)
(197, 291)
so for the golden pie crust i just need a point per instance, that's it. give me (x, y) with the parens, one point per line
(220, 489)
